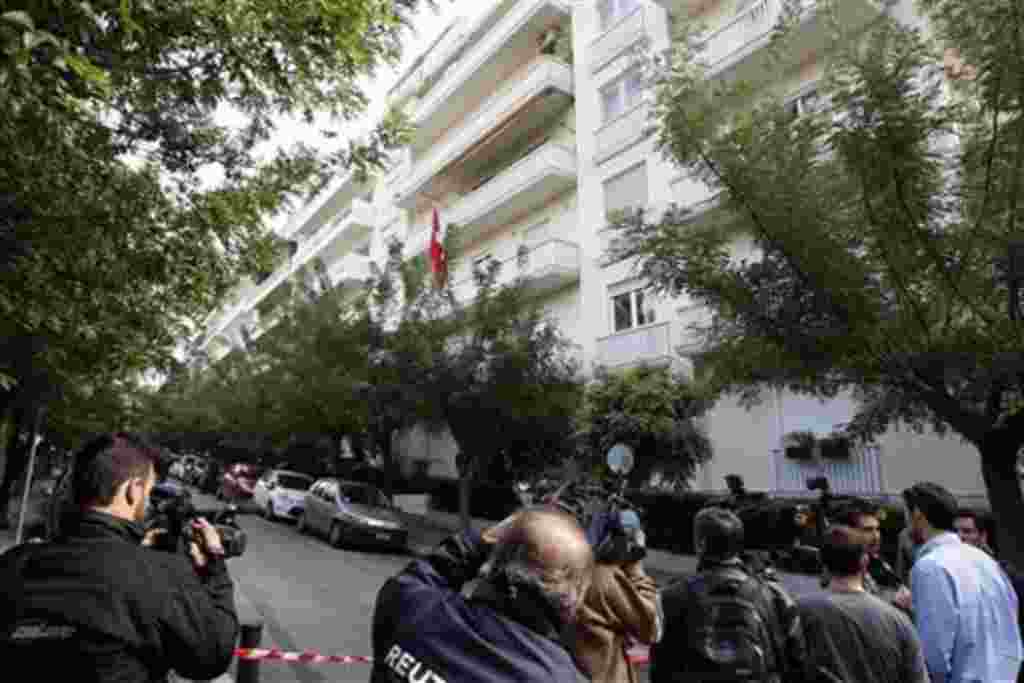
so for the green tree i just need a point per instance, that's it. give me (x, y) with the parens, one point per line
(112, 248)
(655, 413)
(878, 224)
(498, 374)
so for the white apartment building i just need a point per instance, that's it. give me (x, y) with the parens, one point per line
(524, 149)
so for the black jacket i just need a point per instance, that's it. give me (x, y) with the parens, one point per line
(96, 606)
(424, 631)
(671, 658)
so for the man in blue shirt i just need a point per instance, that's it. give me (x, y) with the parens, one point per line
(965, 606)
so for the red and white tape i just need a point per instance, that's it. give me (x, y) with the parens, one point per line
(635, 655)
(308, 657)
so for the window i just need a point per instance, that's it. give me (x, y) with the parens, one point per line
(614, 10)
(630, 309)
(622, 94)
(626, 190)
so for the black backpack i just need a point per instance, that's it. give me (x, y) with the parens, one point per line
(729, 634)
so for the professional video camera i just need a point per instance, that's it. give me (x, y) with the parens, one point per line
(175, 516)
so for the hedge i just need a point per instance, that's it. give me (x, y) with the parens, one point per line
(769, 523)
(486, 501)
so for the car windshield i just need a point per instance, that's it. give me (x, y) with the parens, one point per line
(365, 495)
(293, 481)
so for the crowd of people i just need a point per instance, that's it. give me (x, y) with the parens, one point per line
(544, 595)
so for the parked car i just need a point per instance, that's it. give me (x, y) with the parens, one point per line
(281, 493)
(350, 512)
(239, 481)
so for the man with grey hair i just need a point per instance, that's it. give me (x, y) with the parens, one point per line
(534, 569)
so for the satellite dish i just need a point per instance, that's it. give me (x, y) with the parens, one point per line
(620, 458)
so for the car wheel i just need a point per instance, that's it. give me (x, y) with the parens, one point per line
(300, 523)
(270, 511)
(335, 537)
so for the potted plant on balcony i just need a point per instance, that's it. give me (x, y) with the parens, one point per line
(836, 446)
(556, 42)
(800, 445)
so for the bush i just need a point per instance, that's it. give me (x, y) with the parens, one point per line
(487, 501)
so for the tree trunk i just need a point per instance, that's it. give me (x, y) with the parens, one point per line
(384, 442)
(999, 468)
(16, 458)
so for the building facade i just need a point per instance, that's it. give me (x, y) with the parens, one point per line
(532, 127)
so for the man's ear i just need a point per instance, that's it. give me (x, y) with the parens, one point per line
(129, 490)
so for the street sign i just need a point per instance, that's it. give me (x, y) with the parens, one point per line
(620, 458)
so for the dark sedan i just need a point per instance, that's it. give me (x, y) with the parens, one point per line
(353, 513)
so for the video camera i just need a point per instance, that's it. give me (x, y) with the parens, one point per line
(175, 517)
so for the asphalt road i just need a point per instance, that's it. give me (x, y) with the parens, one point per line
(315, 597)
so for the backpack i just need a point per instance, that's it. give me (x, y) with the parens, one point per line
(729, 635)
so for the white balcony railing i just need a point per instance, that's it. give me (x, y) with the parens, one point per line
(475, 56)
(742, 34)
(360, 216)
(541, 174)
(547, 266)
(352, 269)
(622, 132)
(648, 344)
(621, 36)
(543, 73)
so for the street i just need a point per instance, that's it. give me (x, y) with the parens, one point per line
(315, 597)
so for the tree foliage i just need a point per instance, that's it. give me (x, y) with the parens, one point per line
(873, 229)
(112, 246)
(655, 413)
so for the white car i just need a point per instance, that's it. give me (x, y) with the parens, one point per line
(281, 494)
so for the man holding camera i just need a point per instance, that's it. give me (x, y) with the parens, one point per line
(96, 604)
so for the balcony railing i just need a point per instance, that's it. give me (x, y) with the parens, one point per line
(739, 36)
(547, 266)
(618, 38)
(474, 56)
(542, 74)
(623, 132)
(360, 215)
(650, 344)
(350, 270)
(533, 179)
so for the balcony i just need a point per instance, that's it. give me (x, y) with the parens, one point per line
(474, 73)
(623, 132)
(545, 88)
(547, 267)
(621, 36)
(734, 50)
(329, 244)
(351, 271)
(648, 345)
(523, 187)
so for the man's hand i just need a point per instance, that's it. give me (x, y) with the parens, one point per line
(209, 543)
(149, 540)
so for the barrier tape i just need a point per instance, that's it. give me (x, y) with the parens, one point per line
(635, 656)
(308, 657)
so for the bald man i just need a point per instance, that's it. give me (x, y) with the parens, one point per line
(534, 569)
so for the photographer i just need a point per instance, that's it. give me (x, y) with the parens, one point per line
(622, 603)
(95, 604)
